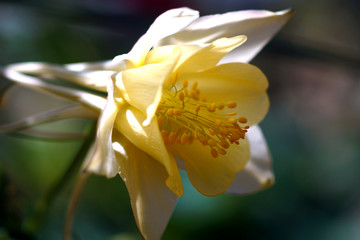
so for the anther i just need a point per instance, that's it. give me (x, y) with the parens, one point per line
(221, 151)
(231, 114)
(172, 137)
(242, 120)
(211, 107)
(177, 112)
(197, 109)
(185, 83)
(231, 104)
(185, 138)
(221, 106)
(181, 96)
(214, 153)
(170, 112)
(232, 120)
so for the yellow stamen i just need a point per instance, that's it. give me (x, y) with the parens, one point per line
(184, 117)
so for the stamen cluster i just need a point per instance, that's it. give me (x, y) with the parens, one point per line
(184, 116)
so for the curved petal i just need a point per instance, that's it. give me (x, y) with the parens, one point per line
(167, 23)
(148, 139)
(257, 174)
(151, 200)
(94, 79)
(211, 176)
(142, 87)
(240, 82)
(103, 160)
(210, 55)
(259, 26)
(90, 100)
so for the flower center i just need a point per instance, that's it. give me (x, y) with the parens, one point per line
(184, 117)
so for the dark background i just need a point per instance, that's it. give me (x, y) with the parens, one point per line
(312, 127)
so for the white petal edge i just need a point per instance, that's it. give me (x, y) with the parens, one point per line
(258, 25)
(166, 24)
(257, 174)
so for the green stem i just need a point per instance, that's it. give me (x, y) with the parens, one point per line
(73, 204)
(33, 223)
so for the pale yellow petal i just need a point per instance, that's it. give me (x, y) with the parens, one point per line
(207, 57)
(151, 200)
(243, 83)
(257, 174)
(161, 54)
(148, 139)
(142, 87)
(103, 160)
(211, 176)
(258, 25)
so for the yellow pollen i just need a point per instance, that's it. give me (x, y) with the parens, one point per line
(185, 138)
(214, 153)
(185, 116)
(232, 120)
(221, 151)
(242, 120)
(231, 104)
(181, 96)
(172, 137)
(170, 112)
(211, 142)
(177, 112)
(211, 107)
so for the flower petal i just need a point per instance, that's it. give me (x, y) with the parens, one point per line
(211, 176)
(151, 200)
(257, 174)
(103, 160)
(240, 82)
(142, 87)
(210, 55)
(90, 100)
(148, 138)
(259, 26)
(167, 23)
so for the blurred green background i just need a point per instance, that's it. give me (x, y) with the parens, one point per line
(312, 127)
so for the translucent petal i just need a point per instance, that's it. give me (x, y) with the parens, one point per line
(257, 174)
(90, 100)
(103, 160)
(211, 176)
(151, 200)
(148, 138)
(240, 82)
(209, 56)
(259, 26)
(93, 79)
(167, 23)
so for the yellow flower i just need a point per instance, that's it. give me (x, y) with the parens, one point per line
(183, 98)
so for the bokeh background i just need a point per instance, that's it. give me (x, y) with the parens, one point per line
(312, 127)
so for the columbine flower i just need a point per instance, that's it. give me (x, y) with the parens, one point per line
(183, 97)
